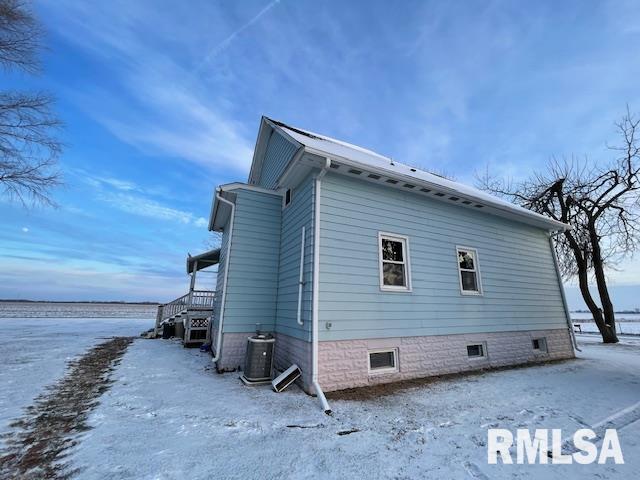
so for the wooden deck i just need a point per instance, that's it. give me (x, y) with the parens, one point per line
(195, 302)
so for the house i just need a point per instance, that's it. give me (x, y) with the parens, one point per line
(368, 271)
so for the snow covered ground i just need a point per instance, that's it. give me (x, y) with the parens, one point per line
(170, 416)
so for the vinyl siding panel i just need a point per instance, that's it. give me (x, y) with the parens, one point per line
(297, 214)
(222, 265)
(277, 156)
(520, 287)
(252, 282)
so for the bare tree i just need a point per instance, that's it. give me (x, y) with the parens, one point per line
(29, 148)
(602, 205)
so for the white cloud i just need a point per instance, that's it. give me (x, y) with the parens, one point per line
(25, 229)
(201, 222)
(158, 105)
(227, 41)
(129, 197)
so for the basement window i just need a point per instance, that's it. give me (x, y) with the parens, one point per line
(539, 345)
(394, 265)
(469, 272)
(287, 197)
(383, 361)
(476, 351)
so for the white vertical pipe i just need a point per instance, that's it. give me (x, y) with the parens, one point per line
(226, 273)
(316, 288)
(301, 278)
(562, 294)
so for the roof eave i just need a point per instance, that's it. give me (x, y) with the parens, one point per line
(534, 218)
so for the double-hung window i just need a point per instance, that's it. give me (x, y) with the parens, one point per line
(395, 272)
(469, 271)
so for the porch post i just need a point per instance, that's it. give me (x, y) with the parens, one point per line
(193, 281)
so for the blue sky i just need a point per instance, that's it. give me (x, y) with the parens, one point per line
(162, 101)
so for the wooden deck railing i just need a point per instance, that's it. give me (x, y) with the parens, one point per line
(197, 300)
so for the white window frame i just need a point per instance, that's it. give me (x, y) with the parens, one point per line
(540, 351)
(476, 270)
(407, 264)
(484, 355)
(376, 371)
(284, 197)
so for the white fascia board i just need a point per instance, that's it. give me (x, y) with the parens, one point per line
(258, 150)
(230, 187)
(533, 218)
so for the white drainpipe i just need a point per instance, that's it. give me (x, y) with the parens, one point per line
(301, 279)
(226, 273)
(316, 288)
(562, 294)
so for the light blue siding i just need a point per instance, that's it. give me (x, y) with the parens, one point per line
(222, 265)
(520, 286)
(277, 156)
(252, 283)
(299, 213)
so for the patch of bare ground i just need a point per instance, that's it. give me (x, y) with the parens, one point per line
(39, 442)
(384, 389)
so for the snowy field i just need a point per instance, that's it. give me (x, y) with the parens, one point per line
(168, 415)
(623, 328)
(76, 310)
(626, 323)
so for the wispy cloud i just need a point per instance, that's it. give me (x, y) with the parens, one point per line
(129, 197)
(227, 41)
(145, 207)
(160, 108)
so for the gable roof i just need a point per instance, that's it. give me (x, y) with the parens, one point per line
(367, 159)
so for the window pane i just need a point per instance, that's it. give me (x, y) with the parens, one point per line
(393, 274)
(540, 344)
(475, 350)
(465, 259)
(392, 250)
(381, 360)
(469, 282)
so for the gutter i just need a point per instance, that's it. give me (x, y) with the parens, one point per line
(216, 357)
(562, 294)
(316, 287)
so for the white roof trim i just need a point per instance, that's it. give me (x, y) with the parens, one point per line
(368, 160)
(230, 188)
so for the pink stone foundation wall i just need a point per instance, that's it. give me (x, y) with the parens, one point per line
(288, 350)
(234, 347)
(344, 363)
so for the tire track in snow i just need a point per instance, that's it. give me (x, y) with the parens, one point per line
(40, 440)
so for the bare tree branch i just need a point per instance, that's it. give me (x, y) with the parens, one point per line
(601, 203)
(29, 146)
(20, 36)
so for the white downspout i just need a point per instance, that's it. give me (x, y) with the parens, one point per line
(301, 279)
(562, 294)
(226, 274)
(316, 288)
